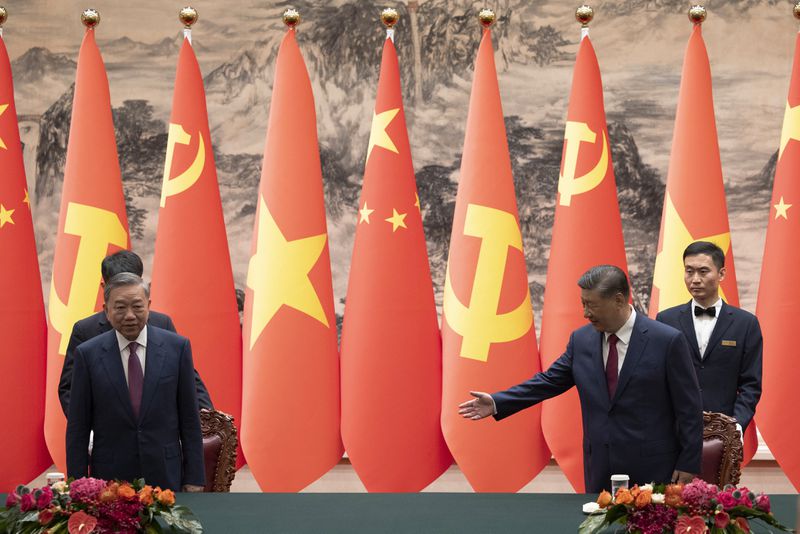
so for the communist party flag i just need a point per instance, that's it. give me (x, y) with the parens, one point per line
(191, 225)
(778, 293)
(695, 172)
(390, 336)
(23, 328)
(92, 223)
(587, 199)
(290, 405)
(488, 338)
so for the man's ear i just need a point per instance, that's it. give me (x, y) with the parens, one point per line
(722, 273)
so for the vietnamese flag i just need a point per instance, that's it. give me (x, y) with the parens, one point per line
(694, 203)
(488, 337)
(192, 275)
(778, 294)
(290, 404)
(587, 198)
(23, 328)
(92, 223)
(390, 338)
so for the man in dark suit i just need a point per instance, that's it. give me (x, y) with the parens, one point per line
(725, 340)
(134, 388)
(640, 400)
(123, 261)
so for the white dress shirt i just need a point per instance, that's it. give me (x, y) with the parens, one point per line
(704, 325)
(125, 350)
(624, 340)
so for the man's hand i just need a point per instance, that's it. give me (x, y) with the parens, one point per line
(682, 477)
(478, 408)
(191, 488)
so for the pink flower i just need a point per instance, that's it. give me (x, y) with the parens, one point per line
(762, 503)
(742, 523)
(45, 516)
(726, 500)
(26, 502)
(721, 520)
(86, 489)
(690, 525)
(81, 523)
(45, 497)
(11, 500)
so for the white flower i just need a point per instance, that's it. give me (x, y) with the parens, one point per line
(658, 498)
(646, 487)
(590, 507)
(59, 487)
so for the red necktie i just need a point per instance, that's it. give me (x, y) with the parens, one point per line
(612, 371)
(135, 379)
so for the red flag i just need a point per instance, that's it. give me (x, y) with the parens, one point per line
(695, 172)
(587, 200)
(92, 223)
(778, 293)
(23, 329)
(192, 247)
(489, 342)
(390, 338)
(290, 405)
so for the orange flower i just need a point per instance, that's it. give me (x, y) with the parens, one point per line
(604, 499)
(126, 491)
(109, 494)
(644, 498)
(166, 497)
(674, 489)
(635, 491)
(623, 496)
(673, 500)
(146, 495)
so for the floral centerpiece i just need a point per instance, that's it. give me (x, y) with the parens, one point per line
(697, 507)
(91, 505)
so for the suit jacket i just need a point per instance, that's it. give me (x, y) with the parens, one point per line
(165, 444)
(729, 372)
(96, 324)
(653, 424)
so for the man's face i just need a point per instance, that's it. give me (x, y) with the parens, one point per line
(127, 310)
(702, 278)
(605, 314)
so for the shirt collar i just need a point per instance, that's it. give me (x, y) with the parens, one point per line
(717, 305)
(141, 340)
(625, 331)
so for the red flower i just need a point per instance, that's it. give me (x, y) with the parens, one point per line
(727, 500)
(690, 525)
(45, 498)
(11, 500)
(45, 516)
(721, 520)
(81, 523)
(762, 503)
(742, 523)
(26, 502)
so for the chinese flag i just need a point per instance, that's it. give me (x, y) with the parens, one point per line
(23, 329)
(290, 405)
(488, 338)
(192, 276)
(587, 231)
(92, 224)
(390, 338)
(694, 203)
(778, 294)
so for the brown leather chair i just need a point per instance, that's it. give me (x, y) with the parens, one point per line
(722, 450)
(219, 449)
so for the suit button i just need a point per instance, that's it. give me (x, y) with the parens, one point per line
(702, 367)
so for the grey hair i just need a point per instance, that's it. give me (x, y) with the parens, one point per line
(124, 279)
(606, 279)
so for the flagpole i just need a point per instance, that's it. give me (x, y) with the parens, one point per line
(584, 15)
(389, 17)
(188, 16)
(3, 19)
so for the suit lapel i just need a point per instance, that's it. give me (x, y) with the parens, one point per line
(686, 319)
(112, 362)
(724, 321)
(154, 362)
(634, 353)
(599, 366)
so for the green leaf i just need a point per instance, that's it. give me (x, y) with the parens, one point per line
(592, 524)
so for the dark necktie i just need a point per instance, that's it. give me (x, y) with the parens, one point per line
(612, 373)
(699, 312)
(135, 380)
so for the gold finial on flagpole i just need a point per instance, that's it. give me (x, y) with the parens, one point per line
(188, 16)
(796, 10)
(90, 18)
(697, 14)
(389, 18)
(487, 17)
(291, 17)
(584, 15)
(3, 17)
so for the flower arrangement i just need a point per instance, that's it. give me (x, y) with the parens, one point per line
(91, 505)
(697, 507)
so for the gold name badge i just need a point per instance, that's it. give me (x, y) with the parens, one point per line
(728, 342)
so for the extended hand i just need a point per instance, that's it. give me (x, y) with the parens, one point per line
(682, 477)
(478, 408)
(191, 488)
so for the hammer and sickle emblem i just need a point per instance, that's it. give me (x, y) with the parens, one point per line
(479, 324)
(97, 229)
(186, 179)
(568, 184)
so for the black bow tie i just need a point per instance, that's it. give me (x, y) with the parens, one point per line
(699, 312)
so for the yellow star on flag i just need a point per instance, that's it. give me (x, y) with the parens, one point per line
(781, 209)
(278, 274)
(416, 196)
(397, 220)
(668, 273)
(5, 216)
(791, 127)
(365, 213)
(3, 108)
(27, 199)
(378, 135)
